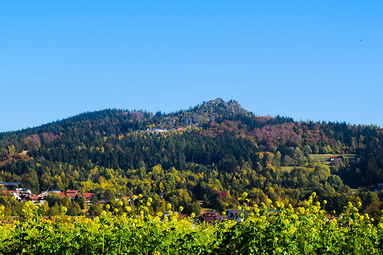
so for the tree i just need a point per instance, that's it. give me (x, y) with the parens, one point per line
(109, 195)
(368, 198)
(322, 171)
(335, 182)
(54, 210)
(11, 149)
(74, 209)
(80, 200)
(95, 209)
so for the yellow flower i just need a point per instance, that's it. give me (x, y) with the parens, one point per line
(292, 230)
(64, 210)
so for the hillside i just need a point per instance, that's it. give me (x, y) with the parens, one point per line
(212, 152)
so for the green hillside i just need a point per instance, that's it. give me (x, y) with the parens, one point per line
(213, 152)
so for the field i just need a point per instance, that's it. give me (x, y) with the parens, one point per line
(325, 158)
(287, 169)
(268, 229)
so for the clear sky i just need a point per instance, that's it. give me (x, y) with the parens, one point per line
(310, 60)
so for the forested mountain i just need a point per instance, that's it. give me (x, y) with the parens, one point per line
(212, 152)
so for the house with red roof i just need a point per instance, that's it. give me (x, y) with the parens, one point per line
(333, 158)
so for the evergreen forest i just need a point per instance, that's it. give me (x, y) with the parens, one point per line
(213, 153)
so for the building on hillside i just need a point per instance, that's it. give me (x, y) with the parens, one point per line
(72, 195)
(15, 194)
(211, 217)
(10, 184)
(36, 199)
(88, 197)
(333, 158)
(44, 193)
(379, 187)
(73, 191)
(24, 191)
(237, 214)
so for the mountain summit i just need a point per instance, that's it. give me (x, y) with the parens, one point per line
(204, 113)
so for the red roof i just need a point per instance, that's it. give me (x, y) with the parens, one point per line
(72, 191)
(87, 195)
(36, 197)
(336, 157)
(210, 214)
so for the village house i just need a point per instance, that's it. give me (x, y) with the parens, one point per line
(211, 217)
(88, 197)
(334, 158)
(36, 199)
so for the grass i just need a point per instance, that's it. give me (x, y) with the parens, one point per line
(321, 157)
(326, 157)
(287, 169)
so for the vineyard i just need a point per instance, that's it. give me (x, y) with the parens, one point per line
(266, 229)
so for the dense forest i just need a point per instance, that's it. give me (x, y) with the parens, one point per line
(213, 152)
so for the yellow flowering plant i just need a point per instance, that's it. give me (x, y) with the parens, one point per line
(283, 230)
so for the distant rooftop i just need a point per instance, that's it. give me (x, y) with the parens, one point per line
(10, 183)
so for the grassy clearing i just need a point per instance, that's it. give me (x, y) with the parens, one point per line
(287, 169)
(321, 157)
(326, 157)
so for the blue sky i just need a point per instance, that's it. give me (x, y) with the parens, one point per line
(310, 60)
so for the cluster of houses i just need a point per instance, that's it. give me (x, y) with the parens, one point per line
(213, 217)
(25, 194)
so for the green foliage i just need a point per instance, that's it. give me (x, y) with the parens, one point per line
(265, 230)
(220, 147)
